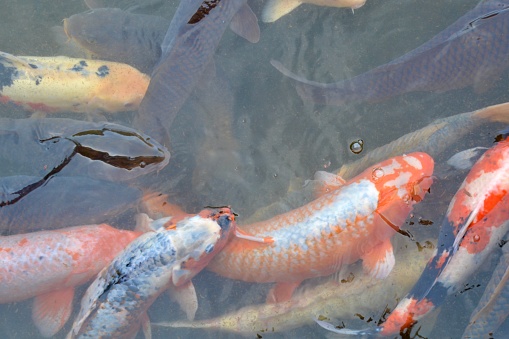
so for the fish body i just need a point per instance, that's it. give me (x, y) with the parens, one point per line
(107, 151)
(187, 50)
(474, 225)
(338, 228)
(61, 84)
(49, 264)
(115, 304)
(492, 309)
(275, 9)
(470, 52)
(362, 295)
(117, 35)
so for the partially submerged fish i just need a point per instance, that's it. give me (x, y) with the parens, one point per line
(473, 227)
(340, 227)
(470, 52)
(363, 295)
(62, 84)
(275, 9)
(187, 51)
(116, 303)
(107, 151)
(61, 202)
(48, 265)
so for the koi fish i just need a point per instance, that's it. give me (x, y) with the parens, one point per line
(116, 35)
(275, 9)
(492, 309)
(433, 139)
(48, 265)
(108, 151)
(115, 304)
(469, 52)
(61, 84)
(474, 225)
(340, 227)
(362, 294)
(187, 50)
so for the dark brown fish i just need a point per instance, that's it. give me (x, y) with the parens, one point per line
(471, 52)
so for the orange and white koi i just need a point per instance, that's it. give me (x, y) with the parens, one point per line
(48, 265)
(474, 225)
(115, 304)
(62, 84)
(275, 9)
(353, 222)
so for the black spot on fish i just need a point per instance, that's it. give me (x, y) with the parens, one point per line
(103, 71)
(7, 74)
(77, 68)
(203, 11)
(38, 80)
(33, 66)
(209, 248)
(83, 63)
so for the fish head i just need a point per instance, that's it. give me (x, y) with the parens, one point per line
(202, 237)
(92, 30)
(401, 182)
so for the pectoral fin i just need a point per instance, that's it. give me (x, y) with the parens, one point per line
(245, 24)
(281, 292)
(51, 311)
(185, 296)
(146, 327)
(380, 261)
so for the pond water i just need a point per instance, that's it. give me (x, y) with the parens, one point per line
(247, 142)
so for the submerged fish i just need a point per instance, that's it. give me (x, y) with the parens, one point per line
(363, 295)
(187, 51)
(135, 39)
(116, 35)
(107, 151)
(275, 9)
(470, 52)
(62, 84)
(116, 303)
(492, 309)
(340, 227)
(48, 265)
(61, 202)
(473, 227)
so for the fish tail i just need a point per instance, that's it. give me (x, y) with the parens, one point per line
(495, 113)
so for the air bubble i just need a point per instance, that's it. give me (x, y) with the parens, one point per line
(477, 238)
(357, 146)
(143, 164)
(377, 173)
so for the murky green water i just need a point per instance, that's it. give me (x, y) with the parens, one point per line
(278, 136)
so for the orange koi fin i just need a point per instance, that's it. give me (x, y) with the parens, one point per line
(281, 292)
(244, 235)
(51, 311)
(156, 205)
(185, 296)
(380, 261)
(145, 326)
